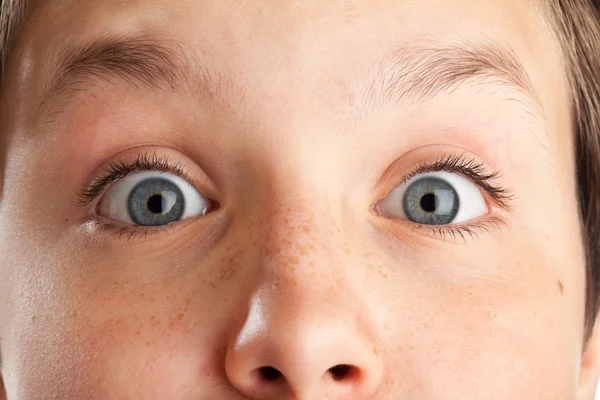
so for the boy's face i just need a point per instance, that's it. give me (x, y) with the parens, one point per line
(287, 262)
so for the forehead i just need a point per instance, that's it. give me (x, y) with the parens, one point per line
(294, 59)
(295, 38)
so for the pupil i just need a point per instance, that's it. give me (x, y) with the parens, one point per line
(155, 204)
(428, 202)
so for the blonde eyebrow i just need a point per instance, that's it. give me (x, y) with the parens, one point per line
(419, 71)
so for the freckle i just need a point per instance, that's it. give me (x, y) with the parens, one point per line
(305, 229)
(294, 260)
(375, 351)
(561, 288)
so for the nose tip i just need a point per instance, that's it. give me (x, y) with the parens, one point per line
(281, 365)
(281, 381)
(342, 381)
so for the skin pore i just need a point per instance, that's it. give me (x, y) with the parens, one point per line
(295, 122)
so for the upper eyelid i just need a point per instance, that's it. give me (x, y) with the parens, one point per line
(118, 170)
(450, 163)
(472, 170)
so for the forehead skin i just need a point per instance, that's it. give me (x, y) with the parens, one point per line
(292, 271)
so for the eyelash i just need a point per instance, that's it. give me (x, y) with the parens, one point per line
(470, 168)
(118, 170)
(476, 172)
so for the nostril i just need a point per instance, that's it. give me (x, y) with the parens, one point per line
(269, 373)
(341, 371)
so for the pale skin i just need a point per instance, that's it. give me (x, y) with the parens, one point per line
(296, 276)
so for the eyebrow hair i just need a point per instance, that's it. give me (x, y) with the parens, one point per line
(141, 61)
(415, 72)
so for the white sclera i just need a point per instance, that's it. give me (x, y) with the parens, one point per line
(113, 204)
(471, 202)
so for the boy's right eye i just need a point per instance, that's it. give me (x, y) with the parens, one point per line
(152, 198)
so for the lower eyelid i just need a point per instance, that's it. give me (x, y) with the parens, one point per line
(130, 232)
(467, 231)
(463, 233)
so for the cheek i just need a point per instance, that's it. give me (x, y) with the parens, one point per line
(118, 345)
(138, 341)
(72, 338)
(512, 336)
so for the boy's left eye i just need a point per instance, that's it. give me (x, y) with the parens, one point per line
(434, 198)
(152, 198)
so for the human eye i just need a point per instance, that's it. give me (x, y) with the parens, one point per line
(143, 196)
(448, 196)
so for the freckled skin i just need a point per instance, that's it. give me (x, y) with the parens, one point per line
(293, 271)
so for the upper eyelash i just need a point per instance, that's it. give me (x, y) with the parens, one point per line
(472, 169)
(117, 170)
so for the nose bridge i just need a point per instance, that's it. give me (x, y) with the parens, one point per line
(309, 277)
(300, 233)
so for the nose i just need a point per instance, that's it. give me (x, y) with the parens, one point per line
(280, 355)
(307, 333)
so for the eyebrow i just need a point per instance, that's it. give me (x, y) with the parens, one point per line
(415, 72)
(140, 61)
(422, 69)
